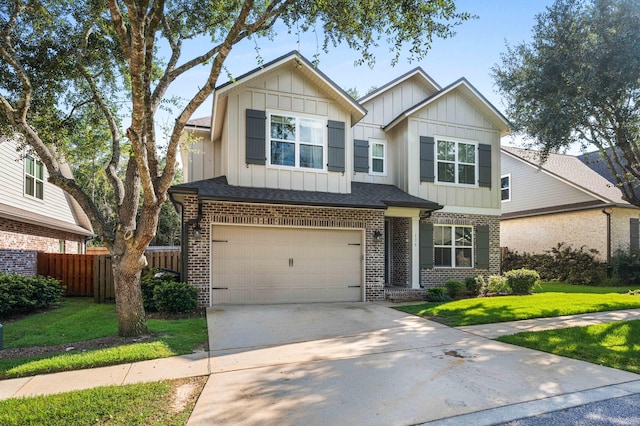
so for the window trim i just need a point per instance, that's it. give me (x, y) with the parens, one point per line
(297, 142)
(34, 176)
(456, 163)
(508, 175)
(382, 142)
(453, 247)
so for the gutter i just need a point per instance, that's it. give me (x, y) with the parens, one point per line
(184, 238)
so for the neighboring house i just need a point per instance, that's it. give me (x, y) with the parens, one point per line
(34, 214)
(298, 193)
(562, 201)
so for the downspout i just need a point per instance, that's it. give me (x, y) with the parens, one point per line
(604, 210)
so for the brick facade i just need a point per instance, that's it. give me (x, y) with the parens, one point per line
(19, 243)
(400, 251)
(199, 255)
(436, 277)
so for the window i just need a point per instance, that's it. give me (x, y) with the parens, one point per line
(453, 246)
(456, 162)
(297, 141)
(377, 157)
(61, 246)
(505, 188)
(33, 177)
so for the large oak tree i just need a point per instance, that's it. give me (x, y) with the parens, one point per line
(71, 65)
(577, 83)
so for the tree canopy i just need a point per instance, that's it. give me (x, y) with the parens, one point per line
(577, 83)
(76, 72)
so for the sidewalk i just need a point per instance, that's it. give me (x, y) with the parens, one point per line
(137, 372)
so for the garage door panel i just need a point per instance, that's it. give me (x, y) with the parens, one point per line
(277, 265)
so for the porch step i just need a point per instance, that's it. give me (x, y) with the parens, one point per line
(404, 294)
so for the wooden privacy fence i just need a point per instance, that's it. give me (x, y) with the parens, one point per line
(91, 275)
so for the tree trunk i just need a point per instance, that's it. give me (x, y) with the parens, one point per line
(126, 277)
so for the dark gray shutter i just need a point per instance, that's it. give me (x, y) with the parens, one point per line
(482, 247)
(256, 137)
(634, 244)
(335, 145)
(427, 163)
(426, 246)
(361, 156)
(484, 161)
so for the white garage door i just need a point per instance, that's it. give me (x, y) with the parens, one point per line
(283, 265)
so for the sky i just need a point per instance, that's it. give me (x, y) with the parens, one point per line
(471, 53)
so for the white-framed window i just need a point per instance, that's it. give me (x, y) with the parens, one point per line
(505, 187)
(377, 157)
(453, 246)
(33, 177)
(61, 246)
(296, 141)
(456, 162)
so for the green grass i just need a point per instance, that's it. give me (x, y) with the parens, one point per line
(556, 287)
(615, 344)
(148, 403)
(70, 323)
(488, 310)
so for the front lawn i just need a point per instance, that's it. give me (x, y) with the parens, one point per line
(76, 322)
(556, 287)
(146, 403)
(486, 310)
(614, 344)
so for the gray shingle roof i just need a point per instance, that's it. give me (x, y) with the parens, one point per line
(200, 122)
(363, 195)
(573, 170)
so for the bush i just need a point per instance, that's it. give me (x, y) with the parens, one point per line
(521, 281)
(563, 263)
(21, 295)
(437, 294)
(454, 288)
(148, 284)
(497, 285)
(626, 267)
(174, 297)
(474, 285)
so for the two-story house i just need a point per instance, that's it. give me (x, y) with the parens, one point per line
(297, 193)
(34, 214)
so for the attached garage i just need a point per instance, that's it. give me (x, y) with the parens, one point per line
(265, 264)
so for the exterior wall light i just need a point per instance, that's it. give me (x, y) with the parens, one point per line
(377, 235)
(197, 232)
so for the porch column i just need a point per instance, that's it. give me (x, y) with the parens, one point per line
(415, 252)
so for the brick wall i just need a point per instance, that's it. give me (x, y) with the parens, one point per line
(438, 276)
(23, 262)
(19, 243)
(286, 216)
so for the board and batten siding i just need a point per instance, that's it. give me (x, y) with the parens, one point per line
(283, 90)
(54, 205)
(367, 132)
(454, 117)
(531, 188)
(198, 151)
(385, 107)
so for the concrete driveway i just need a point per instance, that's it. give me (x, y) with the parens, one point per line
(364, 363)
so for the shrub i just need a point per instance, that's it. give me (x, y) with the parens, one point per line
(437, 294)
(497, 285)
(474, 285)
(20, 294)
(626, 267)
(148, 284)
(174, 297)
(521, 281)
(454, 288)
(575, 266)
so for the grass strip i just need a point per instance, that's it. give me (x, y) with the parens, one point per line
(615, 345)
(558, 287)
(147, 403)
(488, 310)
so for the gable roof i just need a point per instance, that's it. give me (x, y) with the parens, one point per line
(469, 92)
(570, 170)
(363, 195)
(416, 72)
(201, 123)
(302, 64)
